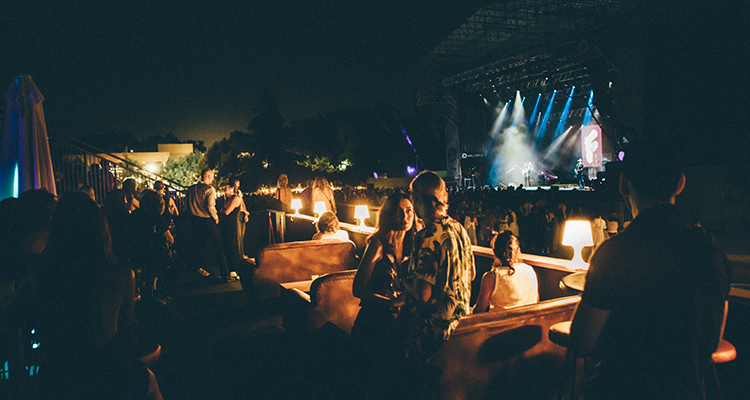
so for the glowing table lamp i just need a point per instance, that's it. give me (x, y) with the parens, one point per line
(296, 205)
(361, 213)
(320, 208)
(578, 235)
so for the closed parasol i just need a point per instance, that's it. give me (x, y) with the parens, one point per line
(25, 161)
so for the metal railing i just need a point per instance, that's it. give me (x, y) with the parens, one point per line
(77, 164)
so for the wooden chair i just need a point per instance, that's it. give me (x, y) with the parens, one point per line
(725, 351)
(332, 301)
(299, 261)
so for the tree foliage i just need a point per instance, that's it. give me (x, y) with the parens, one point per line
(185, 170)
(346, 145)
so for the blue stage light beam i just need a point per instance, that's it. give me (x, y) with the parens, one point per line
(518, 111)
(564, 116)
(590, 105)
(536, 107)
(497, 126)
(561, 149)
(543, 123)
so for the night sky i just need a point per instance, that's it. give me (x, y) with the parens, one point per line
(197, 68)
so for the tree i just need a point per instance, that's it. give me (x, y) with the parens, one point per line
(185, 170)
(266, 130)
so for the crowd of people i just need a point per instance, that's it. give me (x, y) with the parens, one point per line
(536, 217)
(651, 312)
(61, 277)
(73, 270)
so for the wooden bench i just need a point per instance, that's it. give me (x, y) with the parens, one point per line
(505, 353)
(489, 355)
(302, 261)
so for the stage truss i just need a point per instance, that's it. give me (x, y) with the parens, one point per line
(532, 46)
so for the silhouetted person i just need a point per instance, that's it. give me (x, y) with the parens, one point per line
(652, 309)
(204, 219)
(579, 168)
(87, 310)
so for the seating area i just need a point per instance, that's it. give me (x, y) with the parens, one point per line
(219, 340)
(296, 264)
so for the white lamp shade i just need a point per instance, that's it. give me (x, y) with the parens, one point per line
(577, 234)
(320, 208)
(361, 213)
(296, 204)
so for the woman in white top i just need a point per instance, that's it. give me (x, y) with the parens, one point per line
(599, 231)
(510, 283)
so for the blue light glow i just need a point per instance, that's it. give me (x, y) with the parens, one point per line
(587, 115)
(564, 116)
(534, 112)
(518, 113)
(543, 124)
(15, 182)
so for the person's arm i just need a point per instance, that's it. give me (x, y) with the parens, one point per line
(173, 208)
(373, 254)
(243, 209)
(333, 203)
(126, 318)
(168, 236)
(587, 325)
(211, 197)
(133, 203)
(473, 268)
(467, 242)
(485, 292)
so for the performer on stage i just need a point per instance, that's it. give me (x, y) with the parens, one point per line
(528, 171)
(579, 172)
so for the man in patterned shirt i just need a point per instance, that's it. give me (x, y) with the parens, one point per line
(438, 276)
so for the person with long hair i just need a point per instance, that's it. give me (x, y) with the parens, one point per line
(231, 222)
(86, 310)
(323, 192)
(437, 279)
(151, 241)
(283, 194)
(170, 207)
(510, 282)
(376, 330)
(376, 282)
(130, 189)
